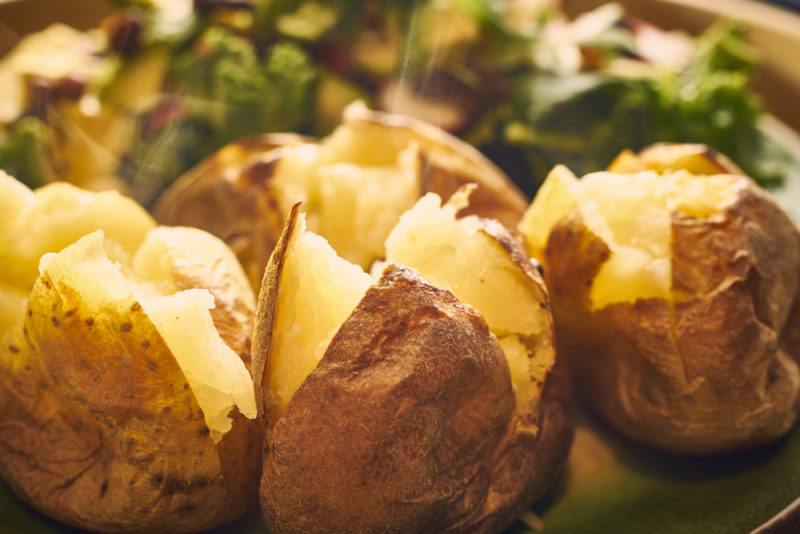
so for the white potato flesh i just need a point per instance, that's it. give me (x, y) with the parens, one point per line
(294, 176)
(217, 376)
(317, 292)
(455, 254)
(528, 370)
(556, 197)
(632, 214)
(358, 206)
(350, 201)
(364, 143)
(55, 216)
(170, 252)
(12, 303)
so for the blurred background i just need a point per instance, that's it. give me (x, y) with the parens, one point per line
(148, 88)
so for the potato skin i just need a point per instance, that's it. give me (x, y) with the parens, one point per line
(228, 195)
(708, 375)
(408, 424)
(100, 429)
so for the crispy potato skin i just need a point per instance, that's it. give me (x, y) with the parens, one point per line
(265, 318)
(709, 374)
(100, 429)
(229, 196)
(408, 424)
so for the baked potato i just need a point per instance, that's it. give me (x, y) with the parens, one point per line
(672, 295)
(427, 399)
(126, 400)
(354, 186)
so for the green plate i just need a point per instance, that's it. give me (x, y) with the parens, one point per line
(613, 485)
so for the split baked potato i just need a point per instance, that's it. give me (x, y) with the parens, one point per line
(426, 399)
(126, 399)
(354, 186)
(672, 295)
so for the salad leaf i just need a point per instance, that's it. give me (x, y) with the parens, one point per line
(585, 119)
(170, 139)
(225, 92)
(292, 77)
(24, 152)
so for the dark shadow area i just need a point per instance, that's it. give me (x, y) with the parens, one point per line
(658, 464)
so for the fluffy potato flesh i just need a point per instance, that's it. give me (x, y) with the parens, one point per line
(670, 157)
(318, 291)
(54, 216)
(358, 206)
(464, 257)
(632, 214)
(373, 139)
(49, 219)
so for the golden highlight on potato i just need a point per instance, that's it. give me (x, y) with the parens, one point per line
(126, 397)
(354, 185)
(424, 399)
(673, 295)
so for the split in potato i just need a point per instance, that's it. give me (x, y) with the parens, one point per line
(354, 186)
(391, 404)
(124, 385)
(672, 295)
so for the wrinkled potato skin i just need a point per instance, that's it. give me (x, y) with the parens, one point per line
(710, 376)
(228, 195)
(380, 439)
(100, 429)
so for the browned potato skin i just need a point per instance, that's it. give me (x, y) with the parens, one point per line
(101, 430)
(380, 439)
(715, 378)
(229, 196)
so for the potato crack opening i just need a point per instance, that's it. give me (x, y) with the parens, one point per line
(317, 291)
(633, 215)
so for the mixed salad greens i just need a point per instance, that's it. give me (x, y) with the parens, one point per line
(164, 83)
